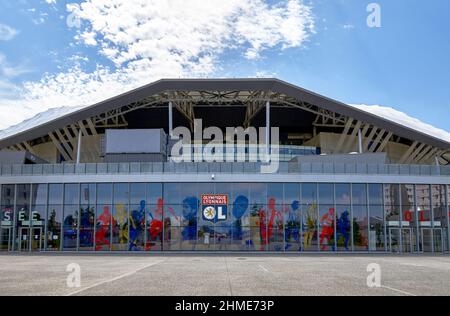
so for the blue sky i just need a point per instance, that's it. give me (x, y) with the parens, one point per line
(404, 64)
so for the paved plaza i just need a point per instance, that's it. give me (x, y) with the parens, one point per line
(223, 275)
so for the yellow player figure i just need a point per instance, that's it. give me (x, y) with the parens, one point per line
(310, 225)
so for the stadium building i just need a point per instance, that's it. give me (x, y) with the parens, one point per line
(102, 179)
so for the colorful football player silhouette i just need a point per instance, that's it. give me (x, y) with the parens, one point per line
(103, 228)
(327, 222)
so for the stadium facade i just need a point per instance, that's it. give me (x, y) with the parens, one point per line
(102, 178)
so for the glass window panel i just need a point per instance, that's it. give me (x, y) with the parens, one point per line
(326, 193)
(391, 194)
(343, 193)
(309, 230)
(104, 193)
(258, 193)
(392, 205)
(39, 194)
(359, 194)
(103, 227)
(87, 221)
(223, 237)
(377, 232)
(343, 228)
(275, 225)
(376, 194)
(8, 193)
(172, 193)
(23, 194)
(120, 236)
(187, 190)
(327, 226)
(407, 198)
(54, 225)
(138, 193)
(70, 227)
(88, 194)
(71, 194)
(439, 206)
(154, 193)
(292, 217)
(121, 193)
(360, 228)
(240, 208)
(309, 193)
(155, 225)
(423, 200)
(55, 194)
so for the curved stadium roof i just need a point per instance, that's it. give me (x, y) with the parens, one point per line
(46, 122)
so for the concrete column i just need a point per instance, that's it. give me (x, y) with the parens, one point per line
(170, 118)
(268, 129)
(360, 145)
(80, 134)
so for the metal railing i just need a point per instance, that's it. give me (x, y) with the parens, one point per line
(236, 167)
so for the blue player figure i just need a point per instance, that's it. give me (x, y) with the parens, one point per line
(344, 227)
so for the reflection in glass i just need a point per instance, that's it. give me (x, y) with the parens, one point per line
(54, 225)
(292, 218)
(87, 216)
(120, 238)
(70, 234)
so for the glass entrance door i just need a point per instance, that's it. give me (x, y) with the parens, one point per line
(426, 240)
(30, 239)
(438, 237)
(24, 239)
(400, 240)
(6, 239)
(432, 240)
(394, 239)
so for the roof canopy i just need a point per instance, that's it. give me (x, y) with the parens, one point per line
(218, 92)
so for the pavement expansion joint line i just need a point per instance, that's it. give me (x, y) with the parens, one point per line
(116, 278)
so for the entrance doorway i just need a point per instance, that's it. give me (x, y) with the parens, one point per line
(6, 239)
(30, 239)
(432, 240)
(400, 240)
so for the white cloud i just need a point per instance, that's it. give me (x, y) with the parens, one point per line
(7, 33)
(404, 119)
(151, 39)
(51, 1)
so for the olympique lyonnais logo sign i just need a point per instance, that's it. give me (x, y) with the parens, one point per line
(214, 207)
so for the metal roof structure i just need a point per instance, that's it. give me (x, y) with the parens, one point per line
(253, 93)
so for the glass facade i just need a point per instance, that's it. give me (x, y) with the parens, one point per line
(257, 217)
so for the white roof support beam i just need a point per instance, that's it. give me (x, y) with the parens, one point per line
(62, 140)
(59, 147)
(351, 138)
(72, 140)
(83, 128)
(415, 153)
(341, 140)
(377, 140)
(431, 154)
(91, 127)
(28, 147)
(386, 140)
(408, 152)
(370, 138)
(423, 154)
(20, 147)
